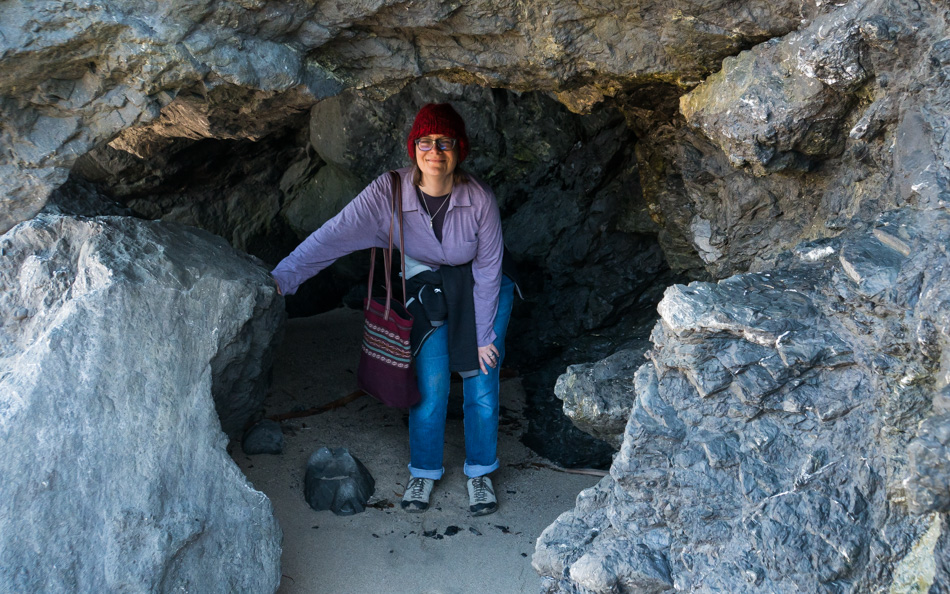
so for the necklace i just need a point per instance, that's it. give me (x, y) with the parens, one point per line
(438, 210)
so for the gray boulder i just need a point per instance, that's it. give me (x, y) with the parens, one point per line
(119, 339)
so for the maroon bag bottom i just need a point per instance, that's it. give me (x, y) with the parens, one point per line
(385, 370)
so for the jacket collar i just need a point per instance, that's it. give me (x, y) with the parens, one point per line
(410, 199)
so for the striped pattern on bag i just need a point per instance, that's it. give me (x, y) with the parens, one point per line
(385, 346)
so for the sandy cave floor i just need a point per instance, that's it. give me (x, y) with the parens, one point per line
(384, 549)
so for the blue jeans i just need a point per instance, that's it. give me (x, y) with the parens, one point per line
(480, 408)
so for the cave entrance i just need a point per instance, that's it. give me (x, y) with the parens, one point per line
(567, 185)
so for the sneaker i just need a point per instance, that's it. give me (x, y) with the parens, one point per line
(481, 496)
(416, 498)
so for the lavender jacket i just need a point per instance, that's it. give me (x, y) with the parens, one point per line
(471, 233)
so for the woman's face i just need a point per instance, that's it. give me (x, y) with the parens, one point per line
(435, 162)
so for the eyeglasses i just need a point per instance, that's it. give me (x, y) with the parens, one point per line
(444, 144)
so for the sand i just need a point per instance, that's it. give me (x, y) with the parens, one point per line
(384, 549)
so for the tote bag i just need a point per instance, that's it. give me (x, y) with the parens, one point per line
(385, 369)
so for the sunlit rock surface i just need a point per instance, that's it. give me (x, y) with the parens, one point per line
(843, 113)
(119, 339)
(781, 105)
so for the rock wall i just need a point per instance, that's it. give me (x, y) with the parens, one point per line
(119, 339)
(785, 434)
(74, 77)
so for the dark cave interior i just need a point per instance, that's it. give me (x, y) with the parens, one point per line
(574, 216)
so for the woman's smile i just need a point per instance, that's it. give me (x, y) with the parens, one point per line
(435, 162)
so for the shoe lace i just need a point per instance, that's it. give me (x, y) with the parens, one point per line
(480, 489)
(417, 486)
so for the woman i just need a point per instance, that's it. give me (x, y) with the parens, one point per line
(451, 220)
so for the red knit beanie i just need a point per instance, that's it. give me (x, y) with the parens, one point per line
(438, 118)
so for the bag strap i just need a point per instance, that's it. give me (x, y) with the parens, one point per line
(395, 205)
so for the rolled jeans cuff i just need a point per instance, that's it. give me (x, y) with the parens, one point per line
(477, 470)
(429, 474)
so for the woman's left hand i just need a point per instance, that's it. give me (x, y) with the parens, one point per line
(487, 357)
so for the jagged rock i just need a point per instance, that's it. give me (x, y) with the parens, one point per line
(873, 265)
(129, 335)
(928, 483)
(263, 437)
(836, 108)
(782, 104)
(769, 435)
(337, 481)
(941, 558)
(557, 546)
(598, 396)
(716, 220)
(619, 565)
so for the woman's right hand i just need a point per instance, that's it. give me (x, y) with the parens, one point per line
(487, 356)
